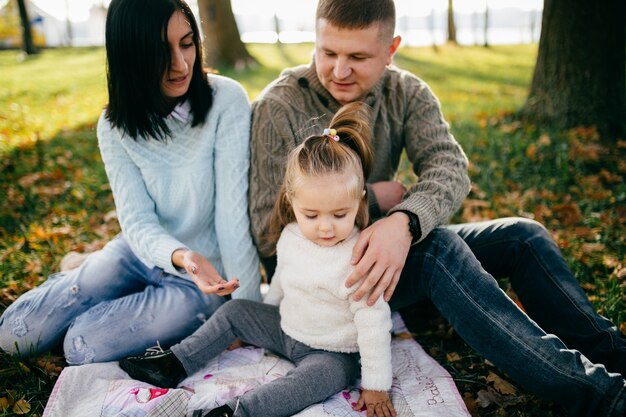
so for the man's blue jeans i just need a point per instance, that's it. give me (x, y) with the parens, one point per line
(450, 268)
(111, 306)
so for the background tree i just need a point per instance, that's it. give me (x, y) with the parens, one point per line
(486, 44)
(277, 29)
(222, 41)
(68, 25)
(432, 27)
(451, 25)
(27, 35)
(579, 74)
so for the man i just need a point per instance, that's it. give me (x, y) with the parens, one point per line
(408, 255)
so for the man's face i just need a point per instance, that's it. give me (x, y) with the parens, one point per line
(351, 61)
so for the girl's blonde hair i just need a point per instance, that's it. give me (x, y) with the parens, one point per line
(348, 149)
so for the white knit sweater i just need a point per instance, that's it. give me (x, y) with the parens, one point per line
(316, 308)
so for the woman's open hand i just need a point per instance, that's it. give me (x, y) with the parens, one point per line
(203, 273)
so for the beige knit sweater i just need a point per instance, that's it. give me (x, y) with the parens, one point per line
(405, 116)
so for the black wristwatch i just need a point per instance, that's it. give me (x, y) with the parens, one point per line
(414, 225)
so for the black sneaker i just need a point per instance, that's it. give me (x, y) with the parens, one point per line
(223, 411)
(156, 366)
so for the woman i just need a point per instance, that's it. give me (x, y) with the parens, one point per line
(174, 142)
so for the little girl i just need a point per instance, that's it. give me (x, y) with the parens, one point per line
(309, 316)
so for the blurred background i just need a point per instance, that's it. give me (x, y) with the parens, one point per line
(421, 23)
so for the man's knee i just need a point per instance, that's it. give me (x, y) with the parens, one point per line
(442, 241)
(526, 230)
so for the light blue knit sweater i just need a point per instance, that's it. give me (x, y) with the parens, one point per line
(190, 191)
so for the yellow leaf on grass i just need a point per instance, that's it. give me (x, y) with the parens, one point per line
(502, 386)
(453, 357)
(21, 407)
(531, 151)
(622, 327)
(544, 140)
(4, 403)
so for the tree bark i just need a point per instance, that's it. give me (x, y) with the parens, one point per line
(451, 25)
(27, 35)
(277, 29)
(222, 42)
(579, 75)
(486, 44)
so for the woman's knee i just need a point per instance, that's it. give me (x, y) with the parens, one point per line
(78, 346)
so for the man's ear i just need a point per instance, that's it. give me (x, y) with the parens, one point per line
(393, 48)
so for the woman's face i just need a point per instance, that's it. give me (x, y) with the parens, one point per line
(177, 78)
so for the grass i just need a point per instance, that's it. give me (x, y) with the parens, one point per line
(56, 198)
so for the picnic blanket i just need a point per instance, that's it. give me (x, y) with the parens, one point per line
(421, 387)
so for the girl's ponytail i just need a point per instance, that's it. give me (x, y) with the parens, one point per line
(352, 125)
(343, 147)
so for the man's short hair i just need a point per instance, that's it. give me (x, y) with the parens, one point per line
(358, 14)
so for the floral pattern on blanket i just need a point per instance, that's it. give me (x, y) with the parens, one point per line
(129, 398)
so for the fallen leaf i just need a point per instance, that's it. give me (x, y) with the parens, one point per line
(544, 140)
(491, 396)
(587, 233)
(568, 213)
(471, 404)
(453, 357)
(609, 177)
(609, 261)
(4, 403)
(592, 247)
(21, 407)
(503, 386)
(531, 151)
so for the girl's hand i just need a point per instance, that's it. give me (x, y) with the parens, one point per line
(203, 273)
(377, 402)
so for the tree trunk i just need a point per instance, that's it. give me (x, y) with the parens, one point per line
(222, 43)
(486, 44)
(431, 22)
(579, 75)
(27, 35)
(451, 25)
(68, 24)
(277, 29)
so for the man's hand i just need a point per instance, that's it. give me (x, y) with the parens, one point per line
(203, 273)
(388, 194)
(377, 402)
(379, 256)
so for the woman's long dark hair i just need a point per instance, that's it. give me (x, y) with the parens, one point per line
(137, 57)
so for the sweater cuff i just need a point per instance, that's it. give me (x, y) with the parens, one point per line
(378, 380)
(163, 256)
(372, 203)
(423, 209)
